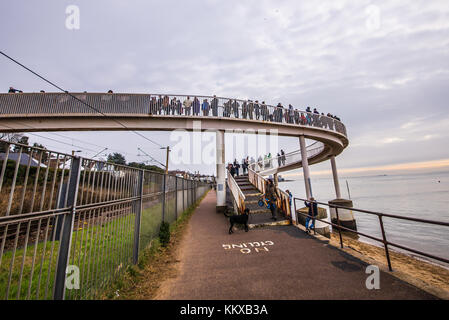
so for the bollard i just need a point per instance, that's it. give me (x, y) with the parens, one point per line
(346, 216)
(320, 227)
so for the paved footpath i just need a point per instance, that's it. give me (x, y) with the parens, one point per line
(296, 265)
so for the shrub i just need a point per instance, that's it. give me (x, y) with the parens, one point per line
(164, 233)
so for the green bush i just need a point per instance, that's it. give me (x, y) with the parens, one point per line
(164, 233)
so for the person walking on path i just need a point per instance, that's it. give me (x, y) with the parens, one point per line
(313, 212)
(271, 195)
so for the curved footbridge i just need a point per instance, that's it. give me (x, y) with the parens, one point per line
(33, 112)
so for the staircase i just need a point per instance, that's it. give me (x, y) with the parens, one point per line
(259, 216)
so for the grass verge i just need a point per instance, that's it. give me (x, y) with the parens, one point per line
(156, 263)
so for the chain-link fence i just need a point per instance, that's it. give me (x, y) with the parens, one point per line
(70, 226)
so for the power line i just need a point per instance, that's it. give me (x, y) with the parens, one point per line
(74, 97)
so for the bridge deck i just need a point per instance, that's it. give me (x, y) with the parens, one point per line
(296, 266)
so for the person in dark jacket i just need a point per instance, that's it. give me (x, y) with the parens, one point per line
(214, 105)
(196, 106)
(313, 212)
(236, 167)
(271, 195)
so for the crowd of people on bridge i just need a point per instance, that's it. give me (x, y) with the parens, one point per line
(163, 105)
(265, 162)
(249, 109)
(234, 168)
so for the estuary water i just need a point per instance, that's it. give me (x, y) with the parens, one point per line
(423, 195)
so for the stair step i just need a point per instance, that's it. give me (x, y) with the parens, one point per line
(269, 224)
(260, 211)
(251, 193)
(249, 188)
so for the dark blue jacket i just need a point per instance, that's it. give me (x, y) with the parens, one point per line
(313, 208)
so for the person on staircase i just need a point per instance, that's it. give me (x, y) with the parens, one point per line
(271, 195)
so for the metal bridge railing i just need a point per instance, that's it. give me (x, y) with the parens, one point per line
(59, 211)
(20, 104)
(272, 164)
(384, 239)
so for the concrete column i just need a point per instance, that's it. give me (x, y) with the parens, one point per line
(305, 165)
(221, 171)
(335, 175)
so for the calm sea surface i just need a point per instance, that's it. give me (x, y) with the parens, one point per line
(416, 195)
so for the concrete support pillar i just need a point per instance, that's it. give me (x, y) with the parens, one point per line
(221, 171)
(305, 166)
(335, 175)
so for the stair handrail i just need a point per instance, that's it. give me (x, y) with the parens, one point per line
(283, 202)
(290, 158)
(236, 192)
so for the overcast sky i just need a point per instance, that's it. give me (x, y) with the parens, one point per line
(381, 66)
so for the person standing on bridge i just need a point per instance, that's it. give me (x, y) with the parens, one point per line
(257, 110)
(278, 156)
(153, 105)
(166, 105)
(178, 107)
(264, 111)
(297, 118)
(205, 107)
(196, 106)
(271, 195)
(250, 109)
(283, 157)
(159, 105)
(244, 109)
(313, 212)
(214, 106)
(187, 105)
(235, 109)
(173, 106)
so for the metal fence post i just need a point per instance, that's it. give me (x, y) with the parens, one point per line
(67, 231)
(339, 225)
(138, 217)
(384, 237)
(163, 196)
(176, 198)
(183, 195)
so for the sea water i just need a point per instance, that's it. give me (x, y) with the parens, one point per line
(423, 195)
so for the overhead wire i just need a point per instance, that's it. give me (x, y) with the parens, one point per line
(74, 97)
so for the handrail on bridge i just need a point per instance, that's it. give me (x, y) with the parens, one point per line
(14, 104)
(236, 192)
(283, 202)
(288, 159)
(384, 240)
